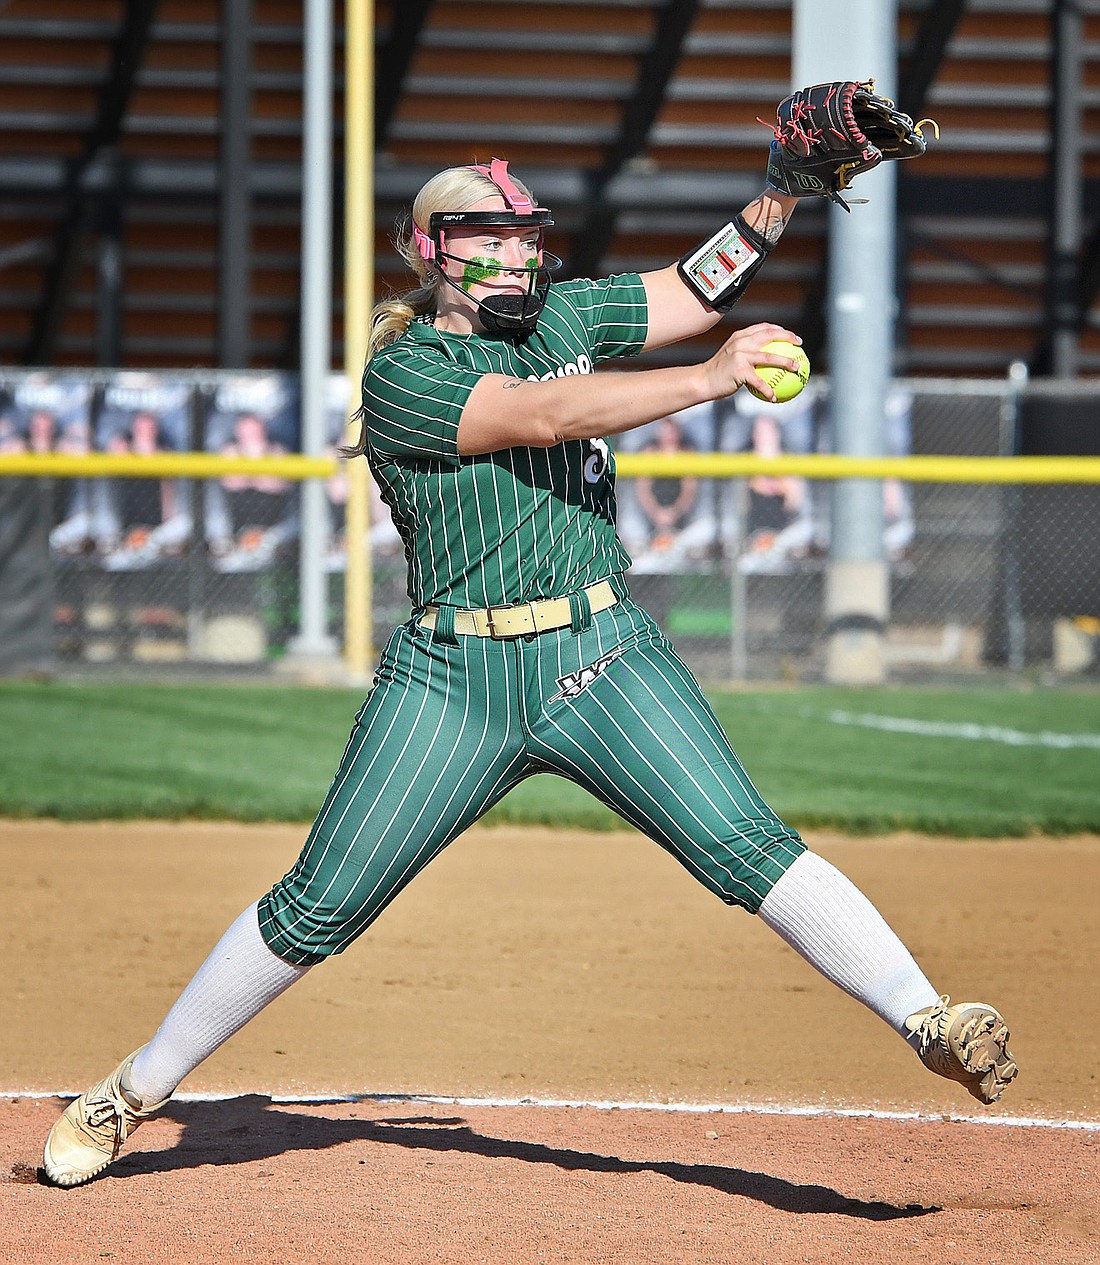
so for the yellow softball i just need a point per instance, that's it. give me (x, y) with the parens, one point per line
(783, 382)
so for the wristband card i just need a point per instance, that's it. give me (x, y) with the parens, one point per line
(714, 268)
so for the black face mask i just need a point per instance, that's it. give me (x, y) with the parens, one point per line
(511, 313)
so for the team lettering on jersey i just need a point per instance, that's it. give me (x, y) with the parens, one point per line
(582, 364)
(574, 683)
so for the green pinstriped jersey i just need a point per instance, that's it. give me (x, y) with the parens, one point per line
(521, 523)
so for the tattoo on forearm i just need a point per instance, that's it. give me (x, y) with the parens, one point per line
(772, 228)
(767, 217)
(512, 383)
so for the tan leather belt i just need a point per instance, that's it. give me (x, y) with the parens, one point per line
(502, 622)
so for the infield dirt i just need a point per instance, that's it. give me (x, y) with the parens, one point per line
(548, 965)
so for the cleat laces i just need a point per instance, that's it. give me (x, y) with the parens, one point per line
(106, 1119)
(930, 1026)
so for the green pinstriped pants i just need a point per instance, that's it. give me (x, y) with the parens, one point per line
(450, 726)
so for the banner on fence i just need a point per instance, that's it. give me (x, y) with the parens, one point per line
(771, 524)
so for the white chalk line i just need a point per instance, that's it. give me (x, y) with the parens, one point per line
(965, 730)
(726, 1109)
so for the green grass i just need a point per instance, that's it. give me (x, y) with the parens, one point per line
(252, 753)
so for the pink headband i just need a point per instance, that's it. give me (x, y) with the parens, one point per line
(497, 171)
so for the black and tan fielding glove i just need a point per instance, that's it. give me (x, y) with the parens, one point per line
(825, 135)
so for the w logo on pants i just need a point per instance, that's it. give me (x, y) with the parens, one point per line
(574, 683)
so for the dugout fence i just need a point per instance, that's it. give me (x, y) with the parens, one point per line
(171, 503)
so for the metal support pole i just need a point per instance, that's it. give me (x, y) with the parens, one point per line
(1015, 624)
(739, 586)
(1065, 235)
(235, 212)
(313, 641)
(857, 39)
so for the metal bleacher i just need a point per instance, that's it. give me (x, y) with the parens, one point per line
(636, 121)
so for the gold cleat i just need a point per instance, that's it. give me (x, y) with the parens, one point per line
(968, 1043)
(90, 1134)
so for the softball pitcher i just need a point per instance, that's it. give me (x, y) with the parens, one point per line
(485, 426)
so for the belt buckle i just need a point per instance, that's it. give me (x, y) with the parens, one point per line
(491, 612)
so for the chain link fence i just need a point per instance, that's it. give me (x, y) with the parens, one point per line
(179, 575)
(982, 577)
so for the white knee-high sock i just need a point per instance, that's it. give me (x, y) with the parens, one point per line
(239, 978)
(827, 919)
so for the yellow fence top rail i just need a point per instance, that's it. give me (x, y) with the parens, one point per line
(922, 469)
(721, 465)
(176, 465)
